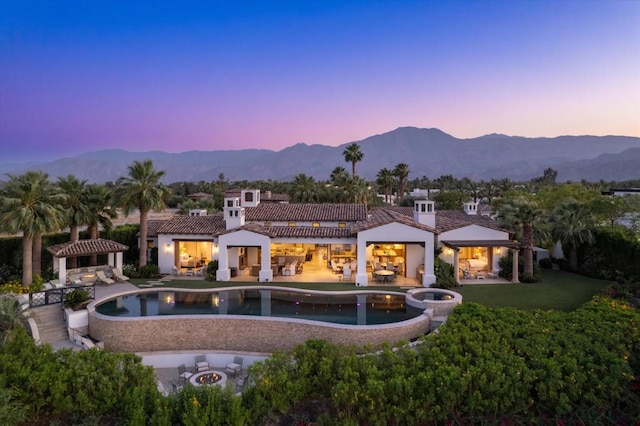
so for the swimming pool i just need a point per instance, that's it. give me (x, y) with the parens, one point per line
(362, 308)
(259, 319)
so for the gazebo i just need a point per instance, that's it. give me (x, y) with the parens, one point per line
(81, 248)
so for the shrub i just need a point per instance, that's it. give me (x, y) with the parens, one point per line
(212, 267)
(130, 271)
(14, 287)
(149, 271)
(444, 273)
(76, 299)
(545, 263)
(37, 284)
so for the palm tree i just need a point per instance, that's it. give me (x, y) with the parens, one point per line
(520, 214)
(401, 173)
(385, 180)
(76, 207)
(304, 189)
(11, 316)
(571, 224)
(143, 191)
(356, 190)
(338, 176)
(353, 155)
(30, 205)
(101, 211)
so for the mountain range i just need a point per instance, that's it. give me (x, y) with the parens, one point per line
(427, 152)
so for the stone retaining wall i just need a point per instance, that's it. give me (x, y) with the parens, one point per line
(236, 333)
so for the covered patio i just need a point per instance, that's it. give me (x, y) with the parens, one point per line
(82, 248)
(483, 270)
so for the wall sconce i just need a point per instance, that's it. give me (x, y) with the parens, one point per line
(168, 248)
(498, 250)
(449, 251)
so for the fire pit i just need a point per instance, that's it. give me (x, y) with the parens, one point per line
(208, 377)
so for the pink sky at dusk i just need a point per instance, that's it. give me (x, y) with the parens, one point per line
(176, 76)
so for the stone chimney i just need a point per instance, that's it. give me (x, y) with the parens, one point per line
(424, 212)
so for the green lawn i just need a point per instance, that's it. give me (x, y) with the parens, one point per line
(559, 290)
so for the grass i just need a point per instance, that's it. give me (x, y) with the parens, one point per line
(559, 290)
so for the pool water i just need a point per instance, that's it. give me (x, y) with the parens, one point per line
(364, 308)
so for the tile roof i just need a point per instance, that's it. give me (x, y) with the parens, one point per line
(481, 243)
(153, 226)
(295, 231)
(384, 215)
(210, 224)
(306, 212)
(86, 248)
(446, 220)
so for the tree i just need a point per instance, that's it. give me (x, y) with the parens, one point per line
(571, 223)
(401, 173)
(338, 176)
(101, 211)
(356, 190)
(385, 180)
(11, 316)
(305, 189)
(520, 214)
(353, 155)
(76, 207)
(30, 204)
(449, 200)
(142, 190)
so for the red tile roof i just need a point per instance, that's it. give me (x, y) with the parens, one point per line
(306, 212)
(210, 224)
(86, 248)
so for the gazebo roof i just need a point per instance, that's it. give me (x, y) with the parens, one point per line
(86, 248)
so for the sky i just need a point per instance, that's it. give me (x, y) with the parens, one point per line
(175, 76)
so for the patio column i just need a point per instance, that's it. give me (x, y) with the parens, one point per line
(429, 277)
(110, 260)
(119, 260)
(223, 273)
(516, 278)
(266, 274)
(362, 279)
(456, 265)
(62, 268)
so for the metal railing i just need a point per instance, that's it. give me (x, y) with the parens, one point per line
(56, 295)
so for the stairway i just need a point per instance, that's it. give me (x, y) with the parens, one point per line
(51, 325)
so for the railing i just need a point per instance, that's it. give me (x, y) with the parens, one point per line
(56, 295)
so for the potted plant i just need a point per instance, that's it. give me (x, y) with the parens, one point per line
(77, 299)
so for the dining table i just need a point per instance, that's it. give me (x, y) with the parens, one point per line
(384, 275)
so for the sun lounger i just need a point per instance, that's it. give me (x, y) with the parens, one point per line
(103, 278)
(119, 276)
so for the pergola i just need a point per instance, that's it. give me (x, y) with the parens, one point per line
(81, 248)
(514, 246)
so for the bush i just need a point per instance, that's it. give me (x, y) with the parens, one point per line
(149, 271)
(212, 267)
(76, 299)
(545, 263)
(444, 273)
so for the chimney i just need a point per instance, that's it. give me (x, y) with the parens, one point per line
(470, 208)
(424, 212)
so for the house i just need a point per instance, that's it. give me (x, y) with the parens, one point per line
(275, 239)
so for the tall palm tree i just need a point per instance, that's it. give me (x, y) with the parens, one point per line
(76, 207)
(385, 180)
(520, 214)
(30, 205)
(101, 211)
(304, 189)
(401, 173)
(571, 224)
(142, 190)
(353, 155)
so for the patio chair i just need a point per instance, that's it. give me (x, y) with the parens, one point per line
(175, 270)
(234, 367)
(118, 275)
(242, 382)
(346, 273)
(201, 363)
(103, 278)
(466, 274)
(176, 387)
(334, 267)
(183, 374)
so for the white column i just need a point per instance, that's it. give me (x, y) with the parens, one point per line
(266, 274)
(223, 273)
(456, 265)
(110, 259)
(429, 276)
(119, 260)
(62, 268)
(362, 279)
(515, 271)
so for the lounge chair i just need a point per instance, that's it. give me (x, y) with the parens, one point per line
(183, 374)
(103, 278)
(201, 363)
(235, 367)
(119, 276)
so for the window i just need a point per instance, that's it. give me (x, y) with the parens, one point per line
(229, 203)
(248, 197)
(267, 224)
(342, 225)
(316, 224)
(292, 224)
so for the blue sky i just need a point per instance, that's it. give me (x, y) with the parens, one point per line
(178, 76)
